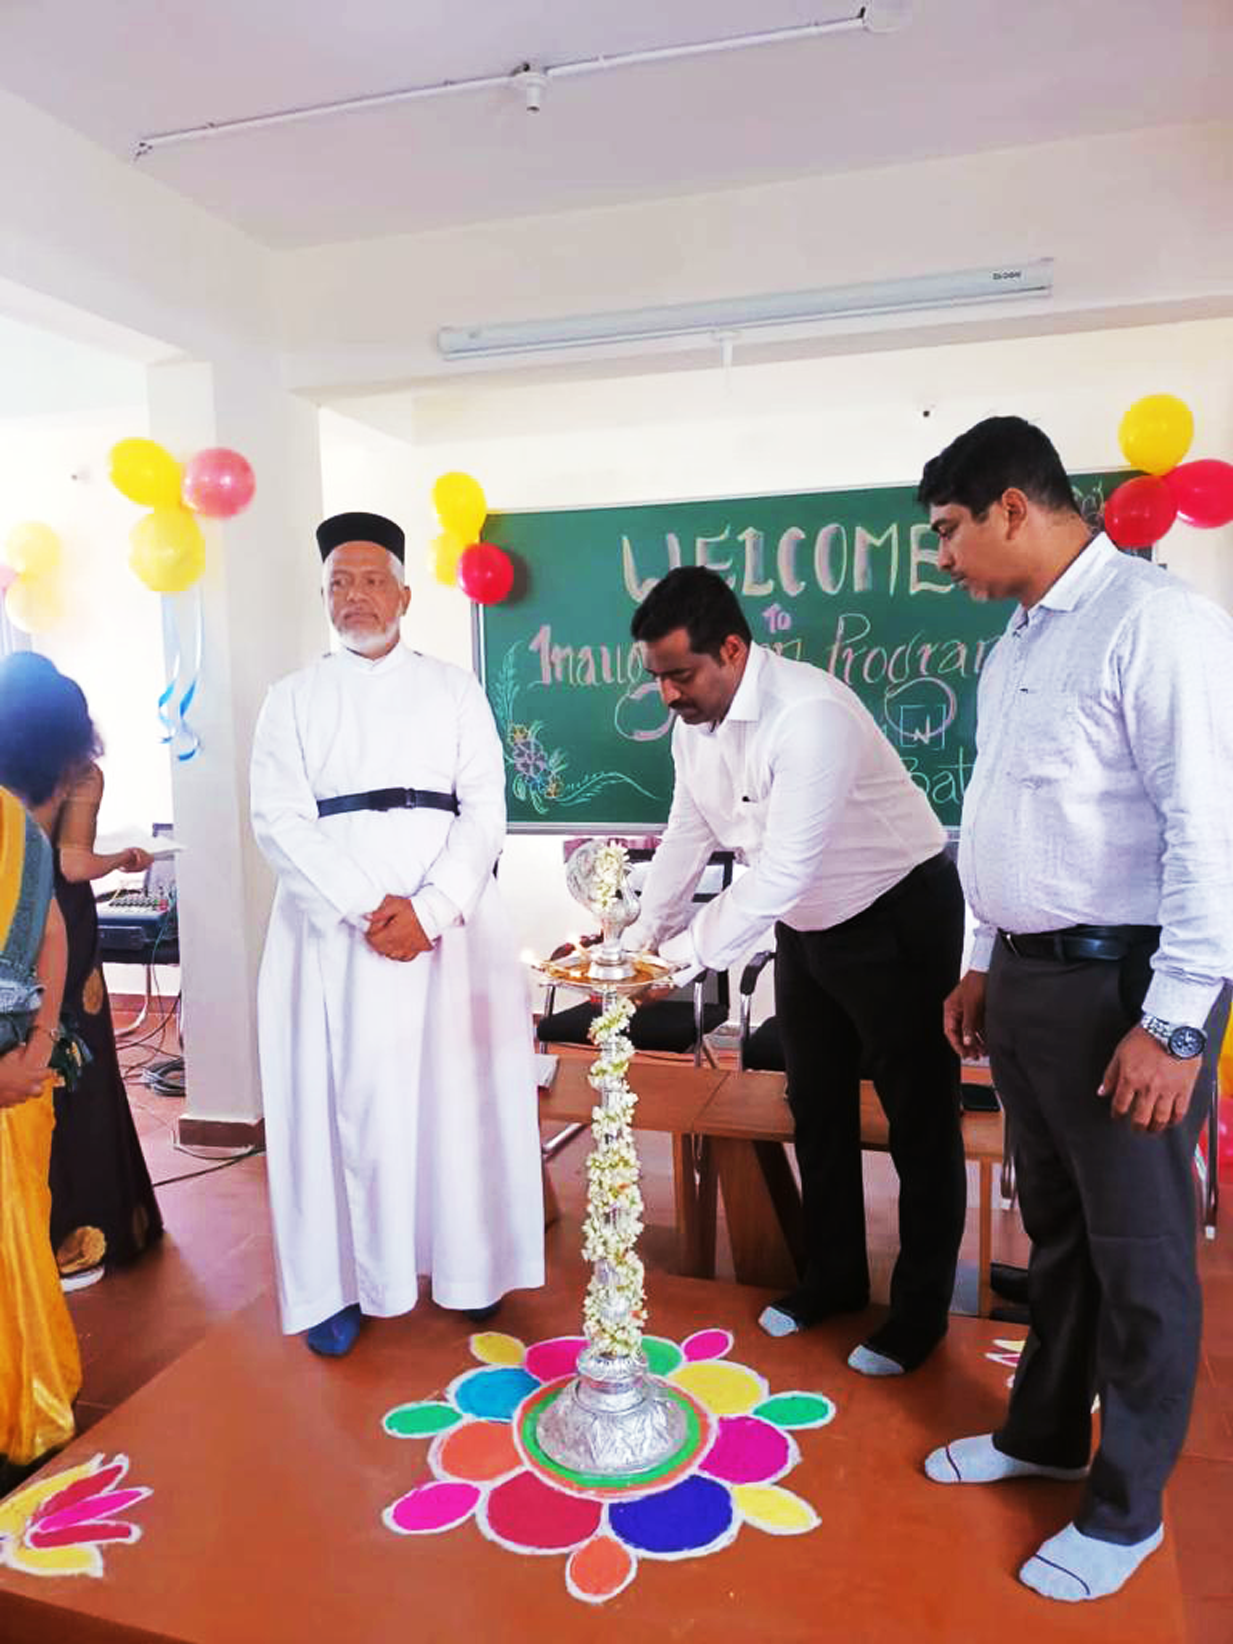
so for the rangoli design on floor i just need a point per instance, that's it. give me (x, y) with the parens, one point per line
(487, 1464)
(57, 1526)
(1007, 1352)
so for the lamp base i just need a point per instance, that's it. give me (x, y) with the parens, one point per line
(613, 1419)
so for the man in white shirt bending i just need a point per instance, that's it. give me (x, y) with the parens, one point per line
(783, 763)
(1097, 853)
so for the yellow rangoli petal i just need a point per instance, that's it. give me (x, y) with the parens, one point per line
(777, 1511)
(17, 1510)
(83, 1559)
(494, 1347)
(726, 1389)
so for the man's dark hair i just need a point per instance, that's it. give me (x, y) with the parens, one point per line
(990, 458)
(46, 734)
(698, 600)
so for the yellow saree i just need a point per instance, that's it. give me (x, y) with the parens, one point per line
(40, 1367)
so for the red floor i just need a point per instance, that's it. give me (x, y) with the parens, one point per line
(216, 1258)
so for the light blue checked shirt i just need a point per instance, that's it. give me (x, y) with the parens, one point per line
(1102, 792)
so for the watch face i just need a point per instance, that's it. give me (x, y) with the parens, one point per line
(1185, 1042)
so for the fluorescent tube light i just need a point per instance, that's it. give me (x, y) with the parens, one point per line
(739, 314)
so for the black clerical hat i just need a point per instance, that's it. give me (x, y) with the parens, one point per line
(359, 527)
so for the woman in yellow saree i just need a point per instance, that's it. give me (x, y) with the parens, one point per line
(40, 1367)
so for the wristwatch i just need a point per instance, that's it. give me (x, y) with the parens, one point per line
(1182, 1042)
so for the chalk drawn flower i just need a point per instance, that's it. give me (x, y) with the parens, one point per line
(57, 1525)
(536, 771)
(488, 1467)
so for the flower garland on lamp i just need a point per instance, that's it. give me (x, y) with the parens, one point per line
(614, 1312)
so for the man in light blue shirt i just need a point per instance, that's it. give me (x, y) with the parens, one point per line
(1097, 857)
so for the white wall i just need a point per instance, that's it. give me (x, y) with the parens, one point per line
(805, 425)
(1138, 223)
(54, 469)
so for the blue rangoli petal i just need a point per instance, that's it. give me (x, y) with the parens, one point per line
(693, 1516)
(492, 1395)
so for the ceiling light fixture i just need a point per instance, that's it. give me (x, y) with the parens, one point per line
(875, 17)
(731, 317)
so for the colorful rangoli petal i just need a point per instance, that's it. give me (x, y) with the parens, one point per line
(430, 1508)
(549, 1360)
(495, 1347)
(749, 1451)
(726, 1389)
(420, 1420)
(528, 1515)
(707, 1344)
(477, 1451)
(662, 1356)
(600, 1570)
(492, 1395)
(796, 1410)
(777, 1511)
(89, 1510)
(694, 1516)
(52, 1561)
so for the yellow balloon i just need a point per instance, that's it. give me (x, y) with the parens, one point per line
(443, 555)
(32, 549)
(460, 504)
(33, 604)
(146, 473)
(168, 550)
(1156, 432)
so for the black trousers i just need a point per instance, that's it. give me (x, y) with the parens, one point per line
(1113, 1291)
(864, 998)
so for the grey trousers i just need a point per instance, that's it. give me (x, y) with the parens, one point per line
(1114, 1295)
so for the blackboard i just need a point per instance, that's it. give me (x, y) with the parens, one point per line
(847, 580)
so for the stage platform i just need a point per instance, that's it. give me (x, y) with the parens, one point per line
(269, 1473)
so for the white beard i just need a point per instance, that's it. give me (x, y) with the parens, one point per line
(366, 642)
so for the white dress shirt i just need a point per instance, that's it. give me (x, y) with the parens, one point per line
(1102, 792)
(800, 782)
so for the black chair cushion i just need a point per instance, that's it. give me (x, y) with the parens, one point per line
(667, 1025)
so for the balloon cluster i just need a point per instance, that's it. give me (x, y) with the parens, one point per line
(1155, 435)
(168, 552)
(484, 572)
(30, 577)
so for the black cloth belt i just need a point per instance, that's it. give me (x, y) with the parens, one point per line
(1081, 942)
(389, 799)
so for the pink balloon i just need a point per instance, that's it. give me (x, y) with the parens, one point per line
(485, 573)
(218, 483)
(1139, 512)
(1203, 491)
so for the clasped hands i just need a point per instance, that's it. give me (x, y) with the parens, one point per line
(1142, 1083)
(394, 930)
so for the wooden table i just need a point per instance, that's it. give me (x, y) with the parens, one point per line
(745, 1126)
(728, 1131)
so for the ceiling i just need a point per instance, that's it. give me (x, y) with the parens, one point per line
(965, 75)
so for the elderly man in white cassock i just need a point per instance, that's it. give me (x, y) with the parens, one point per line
(395, 1027)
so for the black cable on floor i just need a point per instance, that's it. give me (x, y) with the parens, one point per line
(224, 1164)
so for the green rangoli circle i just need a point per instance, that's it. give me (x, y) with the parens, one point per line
(697, 1436)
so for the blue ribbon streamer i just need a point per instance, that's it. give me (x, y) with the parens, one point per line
(173, 708)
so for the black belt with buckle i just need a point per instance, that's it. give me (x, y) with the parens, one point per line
(1081, 942)
(389, 799)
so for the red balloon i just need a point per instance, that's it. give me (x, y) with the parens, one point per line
(218, 483)
(485, 573)
(1139, 512)
(1203, 491)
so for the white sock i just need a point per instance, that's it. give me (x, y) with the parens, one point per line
(1075, 1567)
(869, 1363)
(776, 1323)
(977, 1460)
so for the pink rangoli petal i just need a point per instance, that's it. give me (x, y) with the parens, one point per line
(93, 1507)
(528, 1515)
(748, 1451)
(707, 1344)
(78, 1535)
(430, 1508)
(556, 1357)
(93, 1484)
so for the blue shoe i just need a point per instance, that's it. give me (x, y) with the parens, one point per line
(336, 1335)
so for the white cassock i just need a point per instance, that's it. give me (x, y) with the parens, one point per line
(400, 1100)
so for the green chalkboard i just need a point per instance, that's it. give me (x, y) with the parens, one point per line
(847, 580)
